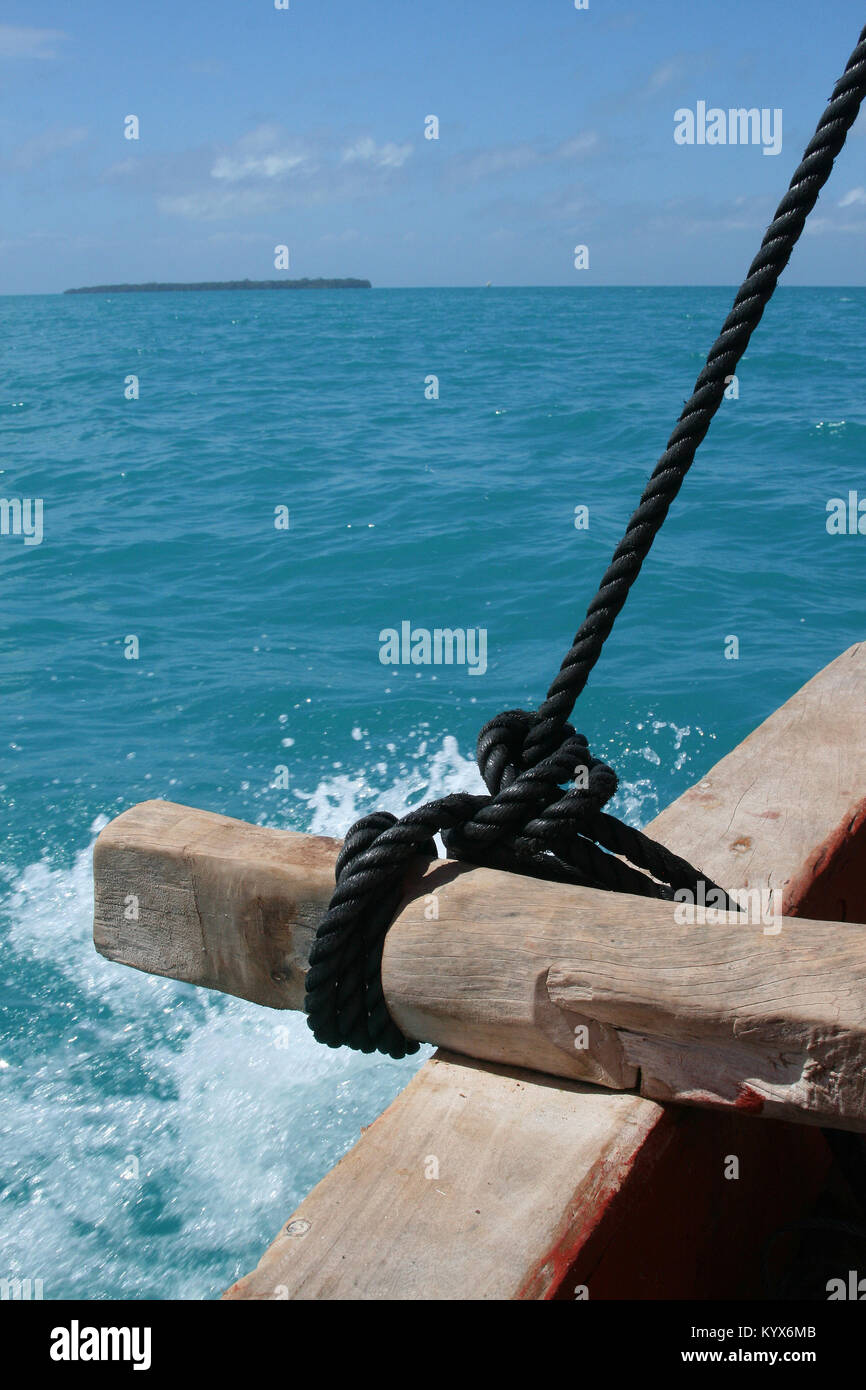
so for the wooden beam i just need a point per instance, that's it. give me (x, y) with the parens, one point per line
(573, 982)
(609, 989)
(210, 900)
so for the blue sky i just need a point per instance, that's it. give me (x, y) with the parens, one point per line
(305, 127)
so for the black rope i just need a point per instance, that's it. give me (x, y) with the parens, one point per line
(528, 823)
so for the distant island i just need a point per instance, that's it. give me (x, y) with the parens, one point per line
(154, 287)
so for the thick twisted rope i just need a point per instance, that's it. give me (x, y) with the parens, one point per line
(528, 823)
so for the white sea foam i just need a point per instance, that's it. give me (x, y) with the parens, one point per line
(155, 1136)
(339, 800)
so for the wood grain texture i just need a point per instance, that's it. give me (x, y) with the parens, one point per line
(482, 1182)
(210, 900)
(769, 1017)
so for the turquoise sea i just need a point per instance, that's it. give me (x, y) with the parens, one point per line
(153, 1137)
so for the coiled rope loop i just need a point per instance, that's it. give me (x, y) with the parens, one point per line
(544, 813)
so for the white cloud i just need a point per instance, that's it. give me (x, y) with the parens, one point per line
(30, 43)
(251, 166)
(265, 153)
(366, 151)
(508, 159)
(122, 168)
(581, 144)
(856, 195)
(269, 169)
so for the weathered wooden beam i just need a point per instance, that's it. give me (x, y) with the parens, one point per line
(604, 988)
(210, 900)
(574, 982)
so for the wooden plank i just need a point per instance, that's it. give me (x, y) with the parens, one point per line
(603, 1210)
(482, 1153)
(783, 805)
(481, 1182)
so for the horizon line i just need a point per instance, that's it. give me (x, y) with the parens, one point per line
(607, 285)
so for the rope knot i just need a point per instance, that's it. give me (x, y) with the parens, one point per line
(543, 816)
(509, 744)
